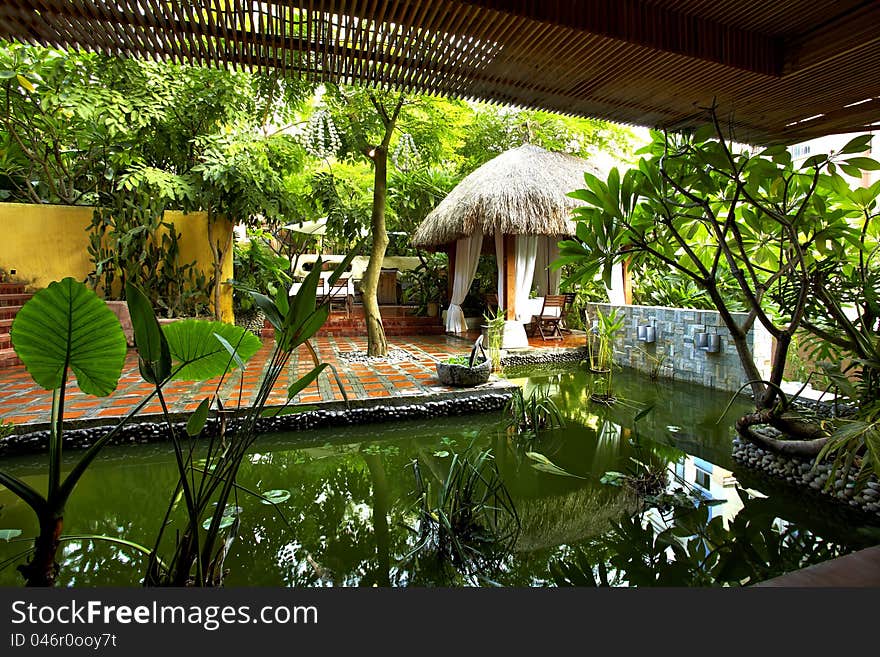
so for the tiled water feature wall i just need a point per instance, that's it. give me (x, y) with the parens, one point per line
(675, 352)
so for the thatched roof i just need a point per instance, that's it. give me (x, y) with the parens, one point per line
(523, 191)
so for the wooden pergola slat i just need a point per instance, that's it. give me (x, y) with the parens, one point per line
(769, 66)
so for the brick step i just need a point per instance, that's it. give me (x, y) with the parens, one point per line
(7, 300)
(5, 341)
(8, 358)
(11, 288)
(5, 325)
(9, 312)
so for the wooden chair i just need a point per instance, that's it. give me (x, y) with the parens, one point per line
(569, 304)
(548, 320)
(339, 297)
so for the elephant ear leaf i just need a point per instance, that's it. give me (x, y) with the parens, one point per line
(154, 356)
(197, 353)
(67, 325)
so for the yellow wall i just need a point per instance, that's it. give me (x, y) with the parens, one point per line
(45, 243)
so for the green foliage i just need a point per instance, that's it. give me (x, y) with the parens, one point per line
(198, 354)
(6, 429)
(67, 326)
(600, 353)
(492, 130)
(257, 267)
(208, 488)
(466, 519)
(854, 446)
(495, 336)
(427, 282)
(685, 546)
(710, 211)
(411, 196)
(79, 126)
(344, 199)
(662, 286)
(129, 242)
(527, 417)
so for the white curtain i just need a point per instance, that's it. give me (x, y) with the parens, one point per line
(546, 279)
(526, 249)
(615, 292)
(467, 257)
(499, 257)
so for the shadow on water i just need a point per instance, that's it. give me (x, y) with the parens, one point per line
(354, 501)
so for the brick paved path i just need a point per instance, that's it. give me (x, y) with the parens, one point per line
(22, 401)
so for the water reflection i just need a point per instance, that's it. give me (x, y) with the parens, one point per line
(354, 499)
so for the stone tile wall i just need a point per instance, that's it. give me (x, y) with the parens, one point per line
(673, 353)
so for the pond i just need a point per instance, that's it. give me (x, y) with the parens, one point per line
(355, 514)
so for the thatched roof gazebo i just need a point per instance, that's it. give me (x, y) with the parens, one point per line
(521, 198)
(523, 191)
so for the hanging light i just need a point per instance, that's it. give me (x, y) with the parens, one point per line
(406, 155)
(321, 139)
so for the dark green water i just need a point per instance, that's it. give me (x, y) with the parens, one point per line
(353, 493)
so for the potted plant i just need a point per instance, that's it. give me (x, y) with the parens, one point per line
(493, 335)
(426, 285)
(465, 372)
(600, 347)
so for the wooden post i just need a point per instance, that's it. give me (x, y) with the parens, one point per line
(510, 276)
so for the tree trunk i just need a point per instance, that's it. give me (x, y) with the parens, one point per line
(811, 438)
(380, 518)
(42, 569)
(740, 342)
(376, 344)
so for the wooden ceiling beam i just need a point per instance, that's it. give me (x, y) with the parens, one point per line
(647, 25)
(854, 28)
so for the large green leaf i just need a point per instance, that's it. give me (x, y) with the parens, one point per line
(197, 353)
(67, 325)
(155, 358)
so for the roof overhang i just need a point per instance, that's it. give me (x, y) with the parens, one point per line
(779, 72)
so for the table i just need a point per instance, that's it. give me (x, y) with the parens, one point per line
(340, 290)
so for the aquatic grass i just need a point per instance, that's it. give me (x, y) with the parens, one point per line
(467, 521)
(526, 417)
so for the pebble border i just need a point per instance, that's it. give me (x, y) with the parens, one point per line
(545, 357)
(801, 473)
(151, 432)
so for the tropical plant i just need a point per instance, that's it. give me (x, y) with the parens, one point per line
(426, 283)
(129, 242)
(63, 327)
(208, 487)
(495, 336)
(66, 328)
(257, 267)
(701, 207)
(600, 353)
(466, 520)
(527, 417)
(663, 286)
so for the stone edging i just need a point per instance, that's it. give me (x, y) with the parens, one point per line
(150, 432)
(545, 357)
(801, 473)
